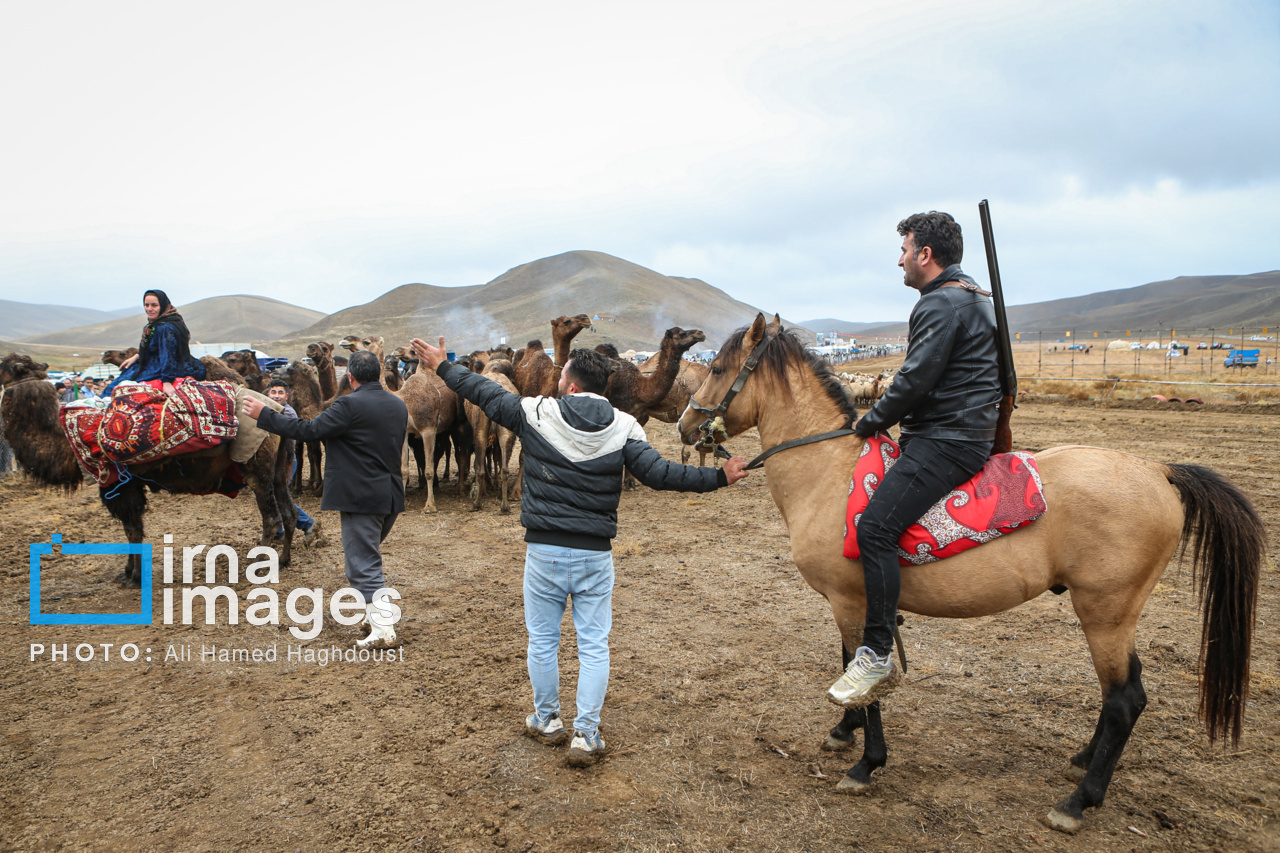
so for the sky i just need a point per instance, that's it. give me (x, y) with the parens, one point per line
(323, 153)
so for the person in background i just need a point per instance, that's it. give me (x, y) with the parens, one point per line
(278, 390)
(164, 353)
(87, 391)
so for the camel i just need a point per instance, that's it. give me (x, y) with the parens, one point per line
(668, 410)
(118, 356)
(493, 443)
(245, 362)
(321, 355)
(536, 374)
(29, 410)
(355, 343)
(391, 378)
(434, 412)
(305, 397)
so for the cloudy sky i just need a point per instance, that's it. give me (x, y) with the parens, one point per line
(325, 152)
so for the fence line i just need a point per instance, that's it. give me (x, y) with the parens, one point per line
(1149, 381)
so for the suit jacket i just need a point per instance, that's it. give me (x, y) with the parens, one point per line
(363, 435)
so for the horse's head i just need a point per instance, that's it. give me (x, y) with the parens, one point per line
(17, 367)
(715, 409)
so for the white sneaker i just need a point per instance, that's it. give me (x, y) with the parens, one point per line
(867, 679)
(585, 749)
(379, 637)
(551, 730)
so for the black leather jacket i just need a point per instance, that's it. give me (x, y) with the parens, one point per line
(949, 384)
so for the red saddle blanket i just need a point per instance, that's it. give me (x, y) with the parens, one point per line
(1005, 495)
(141, 424)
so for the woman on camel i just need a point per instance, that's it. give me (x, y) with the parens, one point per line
(164, 353)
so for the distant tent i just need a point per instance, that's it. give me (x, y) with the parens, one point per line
(1118, 344)
(1154, 345)
(628, 354)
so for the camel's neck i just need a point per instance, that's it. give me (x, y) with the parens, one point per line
(655, 386)
(327, 377)
(562, 347)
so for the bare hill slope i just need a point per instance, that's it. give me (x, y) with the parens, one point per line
(219, 318)
(633, 306)
(22, 319)
(1187, 302)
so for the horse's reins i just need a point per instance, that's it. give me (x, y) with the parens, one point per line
(715, 417)
(715, 423)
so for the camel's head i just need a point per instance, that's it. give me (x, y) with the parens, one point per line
(502, 351)
(242, 361)
(683, 339)
(352, 343)
(118, 356)
(16, 367)
(566, 327)
(319, 351)
(608, 350)
(297, 371)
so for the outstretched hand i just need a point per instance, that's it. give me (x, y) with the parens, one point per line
(736, 469)
(430, 356)
(252, 407)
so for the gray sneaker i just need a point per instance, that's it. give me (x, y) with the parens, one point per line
(550, 731)
(586, 749)
(867, 679)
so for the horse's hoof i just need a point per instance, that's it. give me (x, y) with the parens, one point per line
(835, 744)
(121, 578)
(1063, 822)
(1074, 774)
(850, 785)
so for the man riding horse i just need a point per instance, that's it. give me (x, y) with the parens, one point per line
(945, 398)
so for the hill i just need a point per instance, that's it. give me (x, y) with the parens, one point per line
(219, 318)
(22, 319)
(1194, 303)
(633, 307)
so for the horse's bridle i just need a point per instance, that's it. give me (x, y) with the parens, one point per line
(715, 417)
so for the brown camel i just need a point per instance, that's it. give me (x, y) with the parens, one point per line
(29, 409)
(493, 443)
(668, 410)
(304, 396)
(245, 362)
(118, 356)
(321, 355)
(634, 392)
(536, 374)
(434, 412)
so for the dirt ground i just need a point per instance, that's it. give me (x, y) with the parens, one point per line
(715, 711)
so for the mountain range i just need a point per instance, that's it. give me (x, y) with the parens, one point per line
(632, 306)
(1195, 303)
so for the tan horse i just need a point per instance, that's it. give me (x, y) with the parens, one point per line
(1113, 523)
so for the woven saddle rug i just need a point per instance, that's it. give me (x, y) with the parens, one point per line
(1005, 495)
(141, 424)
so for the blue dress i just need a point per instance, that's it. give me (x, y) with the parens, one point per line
(161, 358)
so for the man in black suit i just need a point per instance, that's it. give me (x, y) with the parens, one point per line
(363, 434)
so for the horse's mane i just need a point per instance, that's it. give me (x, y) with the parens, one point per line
(784, 349)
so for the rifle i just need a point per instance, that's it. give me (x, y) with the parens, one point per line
(1004, 346)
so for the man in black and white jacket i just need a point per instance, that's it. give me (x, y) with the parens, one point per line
(575, 447)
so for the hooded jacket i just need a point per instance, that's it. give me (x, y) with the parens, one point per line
(575, 448)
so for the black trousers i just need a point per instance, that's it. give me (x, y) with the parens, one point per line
(924, 473)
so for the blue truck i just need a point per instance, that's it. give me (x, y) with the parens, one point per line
(1242, 358)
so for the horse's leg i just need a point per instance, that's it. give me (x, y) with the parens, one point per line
(842, 735)
(1123, 700)
(875, 753)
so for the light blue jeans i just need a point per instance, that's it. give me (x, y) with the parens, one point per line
(552, 576)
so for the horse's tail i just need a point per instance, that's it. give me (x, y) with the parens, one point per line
(1230, 545)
